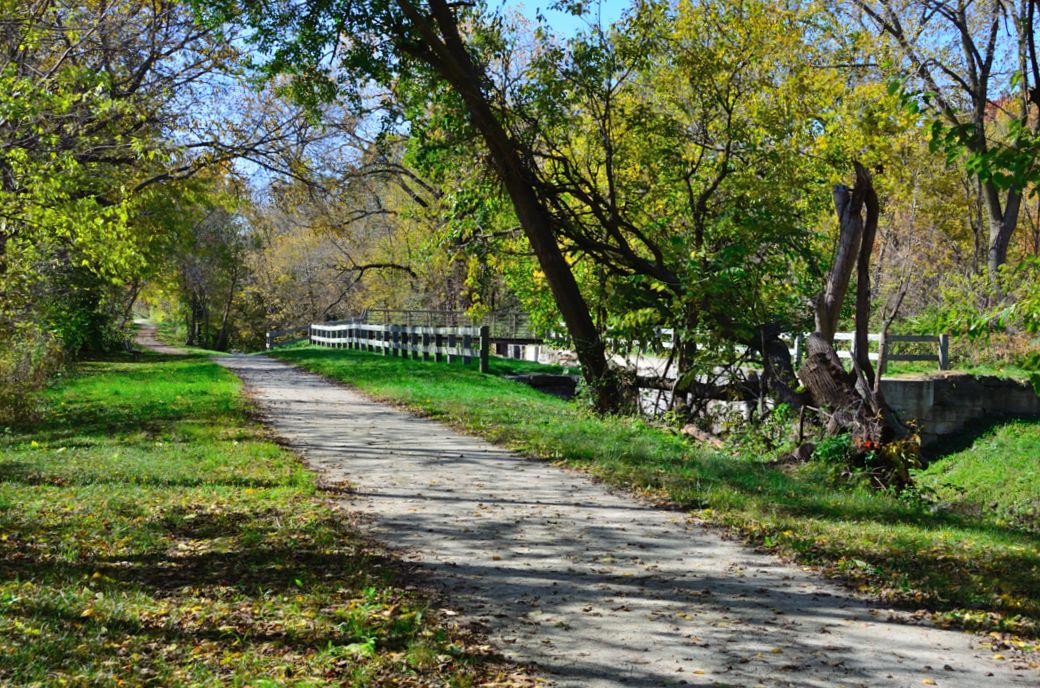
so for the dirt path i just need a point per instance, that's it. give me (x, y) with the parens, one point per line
(146, 339)
(590, 586)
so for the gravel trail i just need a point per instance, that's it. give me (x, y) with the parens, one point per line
(146, 339)
(592, 587)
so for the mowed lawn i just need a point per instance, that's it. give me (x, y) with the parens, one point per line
(977, 570)
(150, 534)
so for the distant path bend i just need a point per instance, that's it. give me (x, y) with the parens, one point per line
(146, 339)
(594, 588)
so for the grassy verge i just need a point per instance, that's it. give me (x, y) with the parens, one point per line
(151, 535)
(996, 478)
(918, 368)
(172, 333)
(968, 570)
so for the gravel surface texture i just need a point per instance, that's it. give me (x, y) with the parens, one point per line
(591, 587)
(146, 339)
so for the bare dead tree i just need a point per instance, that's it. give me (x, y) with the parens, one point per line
(852, 401)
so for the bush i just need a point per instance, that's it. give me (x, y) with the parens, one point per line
(886, 465)
(29, 358)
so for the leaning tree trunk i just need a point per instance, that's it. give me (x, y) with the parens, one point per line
(852, 401)
(444, 50)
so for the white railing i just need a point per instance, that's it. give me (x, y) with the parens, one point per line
(290, 335)
(448, 344)
(844, 345)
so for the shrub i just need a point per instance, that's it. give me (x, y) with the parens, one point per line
(29, 358)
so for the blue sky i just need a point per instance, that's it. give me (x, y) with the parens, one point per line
(561, 22)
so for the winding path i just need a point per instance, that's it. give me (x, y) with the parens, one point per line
(592, 587)
(146, 339)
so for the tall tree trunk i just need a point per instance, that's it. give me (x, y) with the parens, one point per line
(193, 311)
(204, 339)
(131, 299)
(222, 337)
(864, 371)
(446, 52)
(1002, 221)
(853, 400)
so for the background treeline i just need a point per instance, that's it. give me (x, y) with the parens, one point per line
(244, 167)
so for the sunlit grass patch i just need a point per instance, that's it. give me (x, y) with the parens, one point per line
(151, 534)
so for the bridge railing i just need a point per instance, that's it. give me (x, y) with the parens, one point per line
(289, 335)
(844, 346)
(447, 344)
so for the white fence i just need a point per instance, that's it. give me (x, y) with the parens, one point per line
(844, 346)
(448, 344)
(289, 335)
(468, 343)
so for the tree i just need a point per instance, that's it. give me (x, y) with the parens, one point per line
(853, 401)
(385, 39)
(961, 54)
(674, 152)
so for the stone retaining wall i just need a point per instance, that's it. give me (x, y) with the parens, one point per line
(945, 404)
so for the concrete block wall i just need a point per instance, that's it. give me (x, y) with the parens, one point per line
(945, 404)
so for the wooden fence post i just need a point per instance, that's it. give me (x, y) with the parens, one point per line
(485, 343)
(944, 352)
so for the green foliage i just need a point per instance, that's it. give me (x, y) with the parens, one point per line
(696, 140)
(980, 305)
(74, 141)
(152, 534)
(1009, 161)
(836, 454)
(29, 358)
(763, 437)
(868, 464)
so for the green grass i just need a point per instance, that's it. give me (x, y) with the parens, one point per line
(173, 333)
(916, 368)
(150, 534)
(997, 477)
(973, 570)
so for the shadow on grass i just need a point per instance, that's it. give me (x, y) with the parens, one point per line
(185, 587)
(288, 563)
(159, 586)
(781, 493)
(972, 432)
(27, 474)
